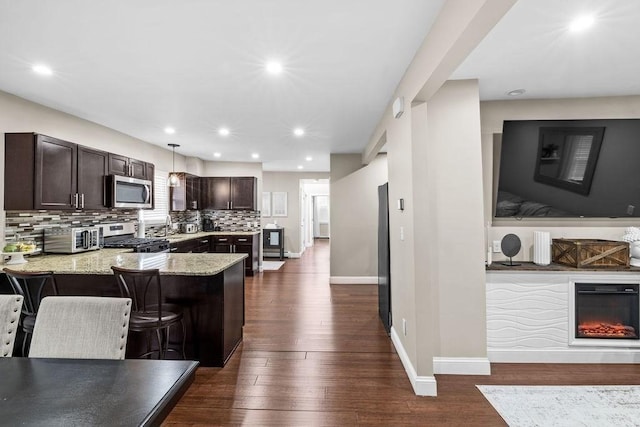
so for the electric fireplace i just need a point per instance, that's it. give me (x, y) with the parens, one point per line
(606, 311)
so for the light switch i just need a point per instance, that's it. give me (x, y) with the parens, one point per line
(401, 233)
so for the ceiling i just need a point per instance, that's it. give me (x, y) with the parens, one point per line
(532, 48)
(199, 65)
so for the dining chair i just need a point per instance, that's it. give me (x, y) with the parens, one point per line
(81, 328)
(150, 313)
(10, 306)
(32, 286)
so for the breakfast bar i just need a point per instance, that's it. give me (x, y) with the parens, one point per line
(209, 288)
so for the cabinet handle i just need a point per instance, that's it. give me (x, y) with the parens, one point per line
(222, 240)
(233, 249)
(71, 200)
(204, 241)
(231, 203)
(228, 205)
(242, 240)
(75, 200)
(82, 200)
(173, 249)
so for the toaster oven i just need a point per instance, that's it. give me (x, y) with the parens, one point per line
(70, 240)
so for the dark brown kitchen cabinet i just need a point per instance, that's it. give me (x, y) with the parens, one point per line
(221, 193)
(125, 166)
(42, 172)
(92, 167)
(247, 244)
(187, 195)
(197, 245)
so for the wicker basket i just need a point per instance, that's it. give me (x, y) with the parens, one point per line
(590, 253)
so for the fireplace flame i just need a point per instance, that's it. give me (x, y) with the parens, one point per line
(606, 330)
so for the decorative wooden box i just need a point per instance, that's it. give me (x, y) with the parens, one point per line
(590, 253)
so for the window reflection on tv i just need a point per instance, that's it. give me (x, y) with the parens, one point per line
(569, 168)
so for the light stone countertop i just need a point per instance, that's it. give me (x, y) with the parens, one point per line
(100, 262)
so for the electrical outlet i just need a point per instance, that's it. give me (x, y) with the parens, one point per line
(401, 233)
(496, 246)
(404, 327)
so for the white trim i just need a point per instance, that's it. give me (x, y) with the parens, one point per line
(574, 355)
(461, 365)
(422, 386)
(353, 280)
(292, 254)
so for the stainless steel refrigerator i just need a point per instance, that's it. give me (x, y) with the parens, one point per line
(384, 264)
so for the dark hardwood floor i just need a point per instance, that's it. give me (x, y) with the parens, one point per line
(317, 355)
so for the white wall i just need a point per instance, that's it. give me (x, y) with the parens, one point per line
(493, 113)
(354, 222)
(289, 182)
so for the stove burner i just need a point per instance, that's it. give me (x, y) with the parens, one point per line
(138, 244)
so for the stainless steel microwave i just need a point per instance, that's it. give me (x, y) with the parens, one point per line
(127, 192)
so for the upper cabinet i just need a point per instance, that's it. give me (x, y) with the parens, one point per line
(229, 193)
(125, 166)
(42, 172)
(187, 195)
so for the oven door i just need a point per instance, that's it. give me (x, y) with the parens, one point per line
(127, 192)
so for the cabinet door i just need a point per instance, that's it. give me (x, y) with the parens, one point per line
(55, 173)
(243, 193)
(245, 245)
(192, 192)
(138, 169)
(216, 192)
(118, 165)
(221, 244)
(93, 165)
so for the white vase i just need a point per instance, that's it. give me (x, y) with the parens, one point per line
(541, 247)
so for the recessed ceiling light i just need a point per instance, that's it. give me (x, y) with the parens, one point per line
(300, 167)
(169, 130)
(217, 154)
(274, 67)
(255, 155)
(298, 131)
(581, 23)
(516, 92)
(223, 132)
(308, 158)
(41, 69)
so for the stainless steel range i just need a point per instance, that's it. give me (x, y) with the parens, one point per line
(121, 235)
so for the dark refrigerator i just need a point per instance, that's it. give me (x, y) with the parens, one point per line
(384, 264)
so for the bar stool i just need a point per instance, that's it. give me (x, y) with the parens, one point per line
(149, 313)
(31, 285)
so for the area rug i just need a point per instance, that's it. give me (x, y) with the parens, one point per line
(600, 406)
(272, 265)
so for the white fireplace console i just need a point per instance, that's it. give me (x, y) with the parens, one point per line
(530, 318)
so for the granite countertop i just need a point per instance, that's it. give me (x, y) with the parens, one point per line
(100, 262)
(181, 237)
(526, 266)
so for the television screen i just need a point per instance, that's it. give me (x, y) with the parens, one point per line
(569, 168)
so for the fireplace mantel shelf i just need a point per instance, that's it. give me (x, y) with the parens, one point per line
(531, 267)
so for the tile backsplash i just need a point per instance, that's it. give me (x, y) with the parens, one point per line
(30, 225)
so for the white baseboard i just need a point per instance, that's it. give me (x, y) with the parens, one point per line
(574, 355)
(292, 254)
(461, 365)
(422, 385)
(353, 280)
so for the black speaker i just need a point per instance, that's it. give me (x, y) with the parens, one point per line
(510, 246)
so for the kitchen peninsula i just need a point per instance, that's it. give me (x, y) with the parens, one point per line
(210, 288)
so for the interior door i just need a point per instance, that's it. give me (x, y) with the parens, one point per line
(384, 258)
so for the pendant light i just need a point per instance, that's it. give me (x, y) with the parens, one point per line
(174, 179)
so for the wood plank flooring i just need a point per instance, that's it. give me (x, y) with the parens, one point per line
(317, 355)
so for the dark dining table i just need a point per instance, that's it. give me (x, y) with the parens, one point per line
(82, 392)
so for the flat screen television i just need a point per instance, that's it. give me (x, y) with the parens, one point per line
(569, 168)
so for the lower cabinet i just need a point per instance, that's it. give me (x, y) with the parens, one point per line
(196, 246)
(247, 244)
